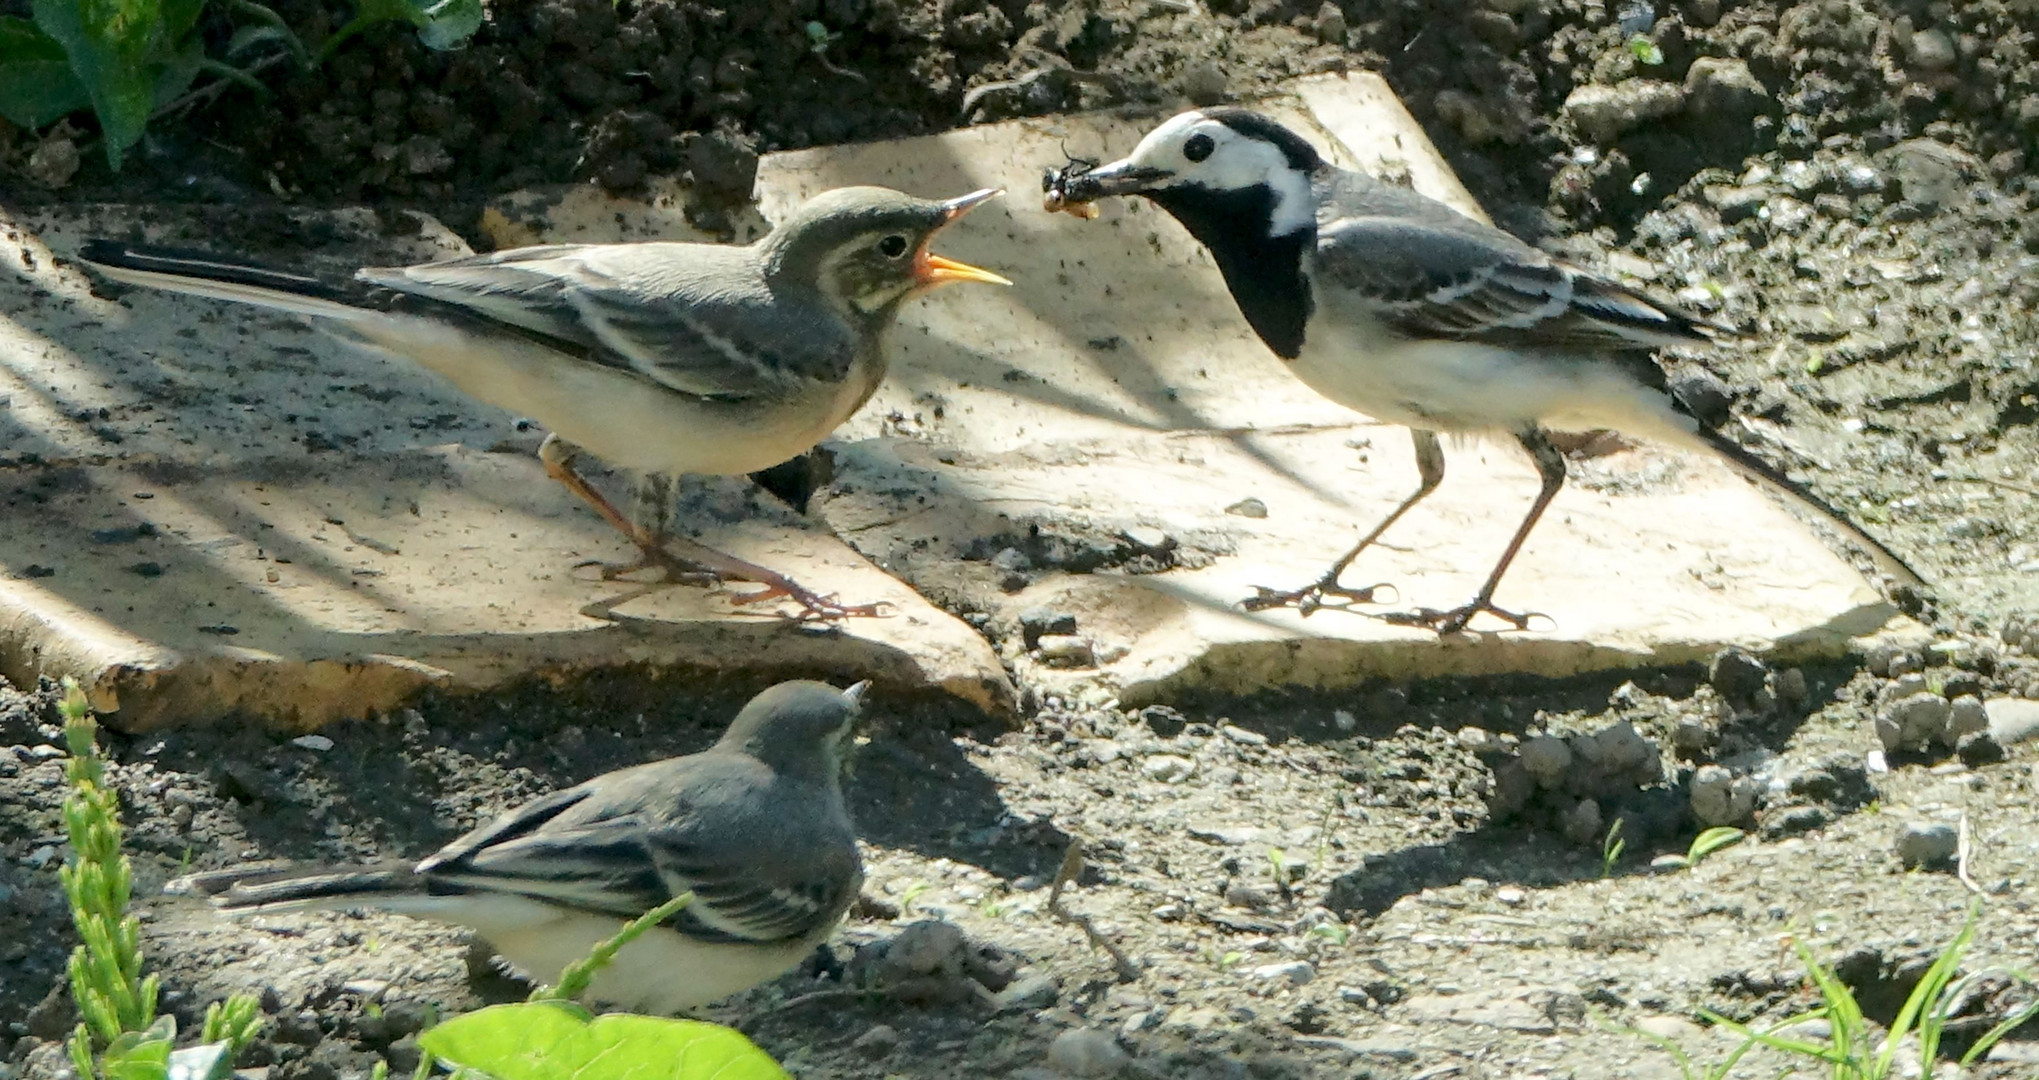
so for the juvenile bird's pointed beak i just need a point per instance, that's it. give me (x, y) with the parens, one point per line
(930, 270)
(855, 694)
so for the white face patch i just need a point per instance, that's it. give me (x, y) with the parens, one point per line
(1236, 162)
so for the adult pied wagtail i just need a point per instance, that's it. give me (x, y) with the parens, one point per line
(1397, 306)
(659, 357)
(754, 827)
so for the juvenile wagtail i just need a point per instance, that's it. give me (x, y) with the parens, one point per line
(658, 357)
(1400, 307)
(754, 827)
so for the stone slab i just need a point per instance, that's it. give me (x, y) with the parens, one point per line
(217, 511)
(1114, 395)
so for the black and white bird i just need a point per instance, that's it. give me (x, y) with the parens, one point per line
(754, 827)
(1398, 306)
(660, 357)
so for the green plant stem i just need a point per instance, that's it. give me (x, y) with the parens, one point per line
(354, 26)
(573, 982)
(233, 74)
(263, 13)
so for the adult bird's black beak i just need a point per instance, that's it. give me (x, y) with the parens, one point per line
(1118, 178)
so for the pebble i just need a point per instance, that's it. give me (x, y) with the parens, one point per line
(1511, 896)
(1602, 113)
(1979, 748)
(877, 1042)
(1966, 716)
(1675, 1028)
(317, 743)
(1066, 650)
(1203, 83)
(1248, 508)
(1581, 824)
(1932, 50)
(1027, 993)
(1353, 995)
(1088, 1052)
(1344, 721)
(45, 752)
(1909, 723)
(1147, 539)
(1793, 820)
(1296, 972)
(1720, 798)
(40, 857)
(1927, 846)
(1547, 758)
(2012, 720)
(1035, 622)
(1168, 768)
(1242, 736)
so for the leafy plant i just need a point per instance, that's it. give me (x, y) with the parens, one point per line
(127, 60)
(1849, 1048)
(117, 1002)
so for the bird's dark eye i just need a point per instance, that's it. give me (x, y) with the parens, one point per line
(892, 247)
(1198, 147)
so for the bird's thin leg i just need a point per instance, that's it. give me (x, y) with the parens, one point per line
(1550, 465)
(699, 562)
(1430, 470)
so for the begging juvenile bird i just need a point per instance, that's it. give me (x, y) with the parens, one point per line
(754, 827)
(658, 357)
(1396, 305)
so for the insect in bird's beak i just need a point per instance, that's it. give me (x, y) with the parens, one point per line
(930, 269)
(1072, 188)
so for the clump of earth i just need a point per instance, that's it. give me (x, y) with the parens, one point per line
(1382, 882)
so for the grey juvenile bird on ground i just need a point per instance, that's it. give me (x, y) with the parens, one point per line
(1397, 306)
(658, 357)
(754, 826)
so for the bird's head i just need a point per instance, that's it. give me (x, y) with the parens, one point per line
(798, 727)
(866, 248)
(1212, 158)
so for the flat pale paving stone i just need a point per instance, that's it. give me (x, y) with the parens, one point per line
(1114, 388)
(216, 510)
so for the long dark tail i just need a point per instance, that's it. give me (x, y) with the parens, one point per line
(204, 274)
(1755, 468)
(279, 887)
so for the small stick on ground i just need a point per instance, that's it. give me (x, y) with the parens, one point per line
(1964, 846)
(1072, 865)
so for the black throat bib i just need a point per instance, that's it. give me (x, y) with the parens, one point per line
(1264, 273)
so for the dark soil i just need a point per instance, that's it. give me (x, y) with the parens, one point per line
(1854, 193)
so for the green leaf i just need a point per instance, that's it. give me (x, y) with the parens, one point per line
(448, 24)
(110, 44)
(554, 1041)
(36, 84)
(1645, 51)
(141, 1055)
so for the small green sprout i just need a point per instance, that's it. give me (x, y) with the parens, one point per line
(1611, 849)
(914, 891)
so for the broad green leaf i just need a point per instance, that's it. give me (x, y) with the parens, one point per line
(36, 84)
(448, 24)
(111, 44)
(179, 16)
(553, 1041)
(137, 1055)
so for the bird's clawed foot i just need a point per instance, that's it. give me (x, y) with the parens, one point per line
(1322, 593)
(1446, 623)
(814, 607)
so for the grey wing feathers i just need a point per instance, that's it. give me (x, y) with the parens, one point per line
(625, 844)
(696, 318)
(1427, 271)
